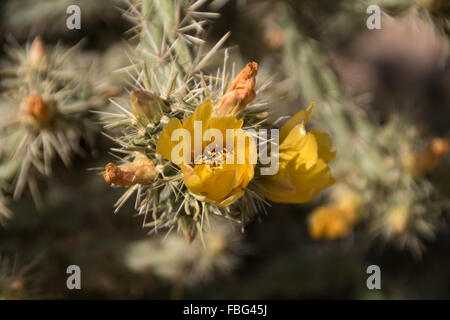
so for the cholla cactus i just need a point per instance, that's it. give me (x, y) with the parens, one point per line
(44, 112)
(382, 164)
(172, 93)
(183, 264)
(15, 282)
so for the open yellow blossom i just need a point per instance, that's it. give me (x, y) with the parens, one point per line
(303, 162)
(335, 220)
(210, 180)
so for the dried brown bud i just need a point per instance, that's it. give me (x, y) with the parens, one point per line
(146, 104)
(38, 109)
(37, 54)
(240, 93)
(140, 171)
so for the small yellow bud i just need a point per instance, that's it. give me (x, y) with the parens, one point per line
(427, 159)
(37, 55)
(329, 222)
(140, 171)
(397, 219)
(337, 219)
(349, 200)
(240, 93)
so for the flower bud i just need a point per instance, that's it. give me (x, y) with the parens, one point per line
(397, 219)
(427, 159)
(240, 93)
(147, 105)
(37, 54)
(37, 109)
(140, 171)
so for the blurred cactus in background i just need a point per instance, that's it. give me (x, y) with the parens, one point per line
(371, 156)
(46, 98)
(188, 264)
(15, 280)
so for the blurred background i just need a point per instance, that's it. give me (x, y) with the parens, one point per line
(384, 97)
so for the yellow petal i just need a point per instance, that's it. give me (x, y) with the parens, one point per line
(325, 145)
(299, 146)
(217, 185)
(299, 118)
(298, 185)
(226, 123)
(235, 195)
(165, 143)
(202, 113)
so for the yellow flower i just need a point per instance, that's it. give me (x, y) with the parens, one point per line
(218, 182)
(337, 219)
(303, 162)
